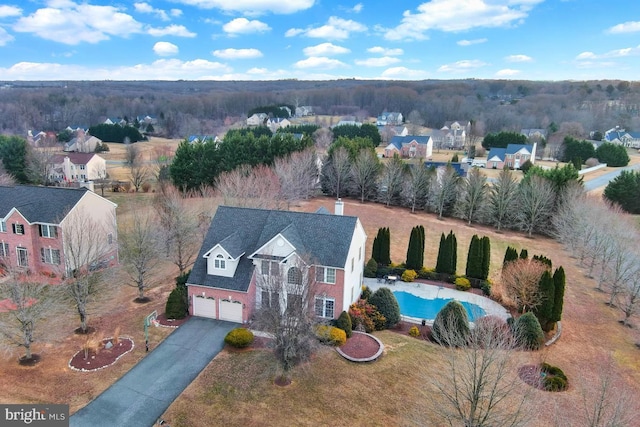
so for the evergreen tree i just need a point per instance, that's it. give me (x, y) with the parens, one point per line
(421, 241)
(511, 254)
(559, 280)
(486, 257)
(451, 325)
(453, 250)
(411, 250)
(344, 322)
(474, 258)
(625, 190)
(375, 250)
(442, 256)
(544, 311)
(543, 259)
(386, 303)
(528, 332)
(524, 254)
(415, 250)
(385, 247)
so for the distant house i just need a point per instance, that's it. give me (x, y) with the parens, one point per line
(33, 221)
(245, 248)
(347, 122)
(82, 142)
(257, 119)
(389, 131)
(620, 136)
(389, 118)
(276, 123)
(512, 157)
(534, 135)
(410, 146)
(77, 167)
(41, 138)
(453, 134)
(304, 111)
(193, 139)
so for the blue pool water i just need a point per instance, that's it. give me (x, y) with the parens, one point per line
(413, 306)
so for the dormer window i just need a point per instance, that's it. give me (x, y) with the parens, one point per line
(219, 262)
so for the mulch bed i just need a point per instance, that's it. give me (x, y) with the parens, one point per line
(103, 358)
(170, 323)
(530, 374)
(360, 346)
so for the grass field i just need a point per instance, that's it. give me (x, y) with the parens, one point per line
(395, 390)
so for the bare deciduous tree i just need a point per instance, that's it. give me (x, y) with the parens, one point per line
(472, 198)
(364, 173)
(323, 138)
(519, 283)
(89, 248)
(31, 305)
(298, 176)
(502, 198)
(391, 180)
(247, 187)
(140, 252)
(478, 384)
(138, 172)
(336, 171)
(286, 295)
(535, 203)
(629, 302)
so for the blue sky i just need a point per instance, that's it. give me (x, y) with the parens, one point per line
(319, 39)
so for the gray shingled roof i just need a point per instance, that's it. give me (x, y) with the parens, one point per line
(39, 204)
(325, 238)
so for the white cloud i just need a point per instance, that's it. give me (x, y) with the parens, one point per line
(147, 8)
(403, 73)
(5, 37)
(626, 27)
(461, 66)
(335, 29)
(357, 8)
(237, 53)
(162, 69)
(325, 49)
(253, 7)
(377, 62)
(460, 15)
(319, 62)
(385, 51)
(8, 11)
(175, 13)
(244, 26)
(165, 49)
(171, 30)
(518, 58)
(507, 72)
(617, 53)
(471, 42)
(73, 23)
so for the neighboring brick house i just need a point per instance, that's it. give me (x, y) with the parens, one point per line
(453, 134)
(410, 146)
(77, 167)
(36, 225)
(244, 247)
(512, 157)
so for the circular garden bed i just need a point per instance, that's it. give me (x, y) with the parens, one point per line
(361, 347)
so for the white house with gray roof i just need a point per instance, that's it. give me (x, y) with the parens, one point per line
(245, 248)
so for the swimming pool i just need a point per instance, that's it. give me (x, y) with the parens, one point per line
(421, 308)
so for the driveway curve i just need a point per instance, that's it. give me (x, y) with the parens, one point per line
(144, 393)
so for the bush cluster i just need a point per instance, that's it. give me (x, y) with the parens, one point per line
(331, 335)
(414, 331)
(554, 378)
(462, 284)
(528, 332)
(366, 316)
(409, 276)
(344, 322)
(239, 338)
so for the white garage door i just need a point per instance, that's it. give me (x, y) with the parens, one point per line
(204, 307)
(231, 310)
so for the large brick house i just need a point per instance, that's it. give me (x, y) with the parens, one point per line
(38, 224)
(512, 157)
(245, 248)
(410, 146)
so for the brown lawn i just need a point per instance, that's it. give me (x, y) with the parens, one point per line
(395, 390)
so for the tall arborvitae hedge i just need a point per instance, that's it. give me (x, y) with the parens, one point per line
(474, 258)
(442, 256)
(544, 311)
(385, 247)
(524, 254)
(453, 245)
(559, 280)
(486, 257)
(543, 259)
(415, 250)
(511, 254)
(447, 254)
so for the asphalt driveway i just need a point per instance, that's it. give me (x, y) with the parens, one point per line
(146, 391)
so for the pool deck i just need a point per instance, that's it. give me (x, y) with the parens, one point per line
(426, 291)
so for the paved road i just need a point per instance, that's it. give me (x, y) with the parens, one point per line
(146, 391)
(603, 180)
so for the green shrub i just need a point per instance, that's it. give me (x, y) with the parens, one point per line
(176, 307)
(371, 268)
(528, 332)
(414, 331)
(462, 284)
(386, 303)
(239, 338)
(366, 293)
(344, 322)
(552, 370)
(485, 285)
(451, 325)
(331, 335)
(409, 275)
(554, 384)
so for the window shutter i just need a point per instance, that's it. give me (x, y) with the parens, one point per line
(40, 230)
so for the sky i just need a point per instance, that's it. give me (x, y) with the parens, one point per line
(319, 39)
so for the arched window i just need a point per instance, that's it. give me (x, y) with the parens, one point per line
(294, 276)
(219, 262)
